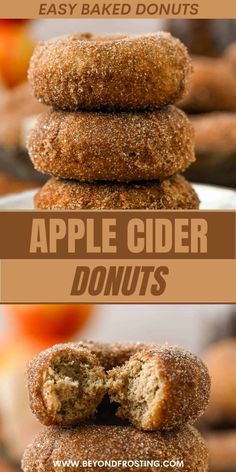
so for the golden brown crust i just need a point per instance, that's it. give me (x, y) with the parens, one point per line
(171, 194)
(108, 146)
(43, 363)
(107, 443)
(110, 72)
(215, 134)
(181, 393)
(213, 86)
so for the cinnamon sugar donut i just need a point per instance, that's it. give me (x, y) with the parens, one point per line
(171, 194)
(112, 72)
(66, 384)
(109, 146)
(116, 443)
(45, 394)
(161, 388)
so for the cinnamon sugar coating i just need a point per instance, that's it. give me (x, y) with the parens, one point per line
(161, 388)
(71, 372)
(122, 72)
(112, 146)
(174, 193)
(107, 443)
(66, 384)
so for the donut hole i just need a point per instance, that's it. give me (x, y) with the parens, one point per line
(132, 154)
(137, 388)
(73, 386)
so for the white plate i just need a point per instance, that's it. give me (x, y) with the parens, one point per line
(212, 198)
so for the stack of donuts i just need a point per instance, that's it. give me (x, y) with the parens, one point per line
(113, 138)
(117, 406)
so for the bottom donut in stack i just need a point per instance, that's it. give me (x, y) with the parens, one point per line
(117, 406)
(92, 448)
(174, 193)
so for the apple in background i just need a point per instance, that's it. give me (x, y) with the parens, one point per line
(55, 322)
(16, 47)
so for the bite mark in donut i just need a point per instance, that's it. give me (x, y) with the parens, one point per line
(66, 384)
(162, 388)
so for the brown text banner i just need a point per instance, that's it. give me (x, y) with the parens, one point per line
(128, 235)
(61, 281)
(118, 257)
(113, 9)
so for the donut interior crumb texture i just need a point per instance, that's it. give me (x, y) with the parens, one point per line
(162, 388)
(137, 387)
(72, 384)
(113, 354)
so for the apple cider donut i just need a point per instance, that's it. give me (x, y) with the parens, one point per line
(112, 146)
(104, 444)
(122, 72)
(174, 193)
(161, 388)
(66, 384)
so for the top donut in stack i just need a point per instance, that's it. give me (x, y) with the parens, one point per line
(112, 120)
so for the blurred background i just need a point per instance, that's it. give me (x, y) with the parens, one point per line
(211, 103)
(207, 330)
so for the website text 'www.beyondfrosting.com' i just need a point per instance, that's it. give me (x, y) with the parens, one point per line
(122, 464)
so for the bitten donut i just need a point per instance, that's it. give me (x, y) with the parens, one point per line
(100, 444)
(113, 72)
(66, 384)
(171, 194)
(161, 388)
(215, 148)
(112, 146)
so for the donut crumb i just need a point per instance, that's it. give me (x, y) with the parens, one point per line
(71, 390)
(137, 386)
